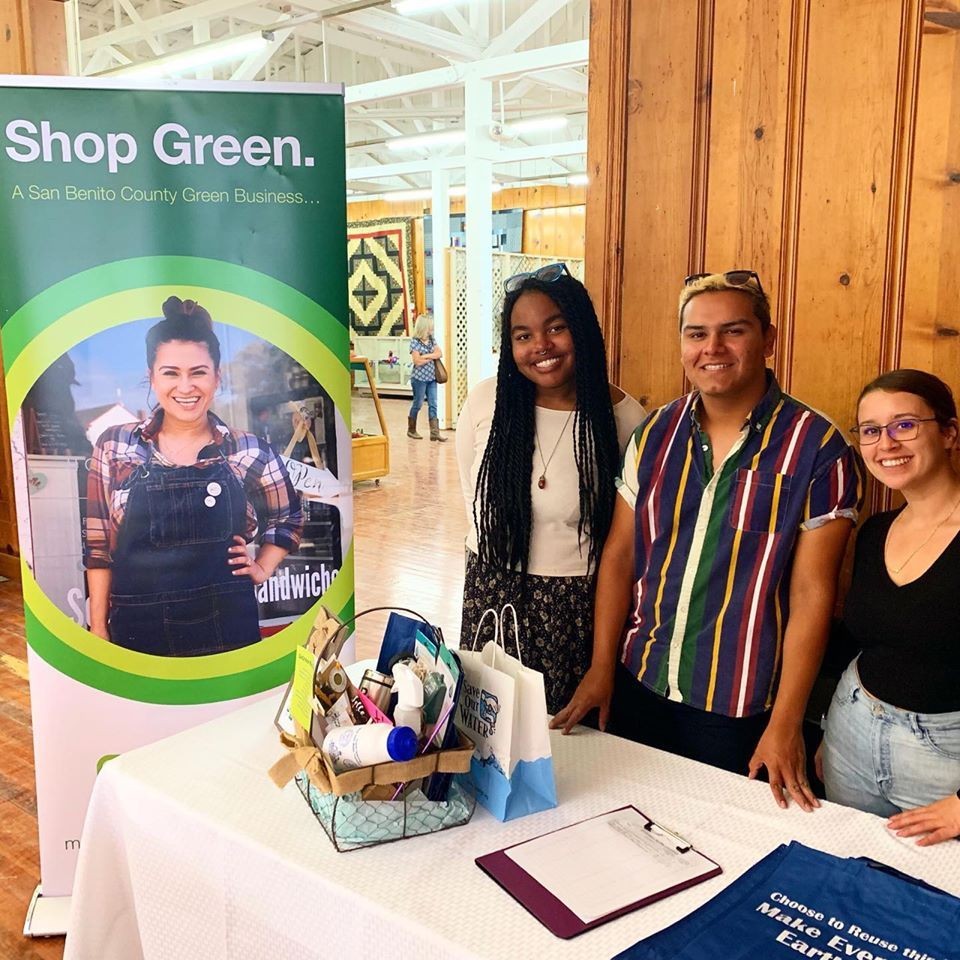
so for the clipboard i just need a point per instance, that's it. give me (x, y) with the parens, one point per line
(517, 870)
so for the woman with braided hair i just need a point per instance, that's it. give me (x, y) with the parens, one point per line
(539, 449)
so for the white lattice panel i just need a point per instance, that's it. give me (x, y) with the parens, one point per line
(505, 265)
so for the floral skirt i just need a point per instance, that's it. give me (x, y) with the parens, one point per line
(556, 622)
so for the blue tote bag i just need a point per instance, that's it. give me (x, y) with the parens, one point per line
(799, 902)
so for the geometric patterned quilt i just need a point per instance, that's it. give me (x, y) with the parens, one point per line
(380, 270)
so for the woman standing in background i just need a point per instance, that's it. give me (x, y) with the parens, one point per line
(423, 352)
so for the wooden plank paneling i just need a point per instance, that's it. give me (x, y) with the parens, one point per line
(748, 139)
(662, 96)
(554, 232)
(815, 141)
(931, 316)
(607, 118)
(847, 178)
(15, 50)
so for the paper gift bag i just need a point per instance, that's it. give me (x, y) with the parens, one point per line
(503, 709)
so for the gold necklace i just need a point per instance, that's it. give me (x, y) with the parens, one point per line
(542, 479)
(930, 536)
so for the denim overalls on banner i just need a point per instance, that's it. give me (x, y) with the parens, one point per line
(172, 591)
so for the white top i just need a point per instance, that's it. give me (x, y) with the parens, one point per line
(189, 850)
(554, 547)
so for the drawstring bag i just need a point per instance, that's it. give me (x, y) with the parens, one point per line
(801, 902)
(503, 709)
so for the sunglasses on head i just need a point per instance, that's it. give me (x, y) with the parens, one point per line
(548, 274)
(736, 278)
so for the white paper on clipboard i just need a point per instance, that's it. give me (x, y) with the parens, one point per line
(601, 865)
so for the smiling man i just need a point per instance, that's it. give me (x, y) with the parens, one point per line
(717, 582)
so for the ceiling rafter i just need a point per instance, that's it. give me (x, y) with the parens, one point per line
(531, 20)
(402, 74)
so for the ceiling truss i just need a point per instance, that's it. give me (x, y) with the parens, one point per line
(403, 75)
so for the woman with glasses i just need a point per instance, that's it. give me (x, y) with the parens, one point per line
(539, 449)
(892, 740)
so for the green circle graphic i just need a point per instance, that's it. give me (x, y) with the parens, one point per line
(90, 303)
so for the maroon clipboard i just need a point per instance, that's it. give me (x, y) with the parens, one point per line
(559, 919)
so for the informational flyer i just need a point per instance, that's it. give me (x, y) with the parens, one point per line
(176, 359)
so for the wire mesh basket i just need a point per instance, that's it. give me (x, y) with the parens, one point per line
(352, 823)
(357, 809)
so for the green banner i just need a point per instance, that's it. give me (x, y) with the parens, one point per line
(175, 348)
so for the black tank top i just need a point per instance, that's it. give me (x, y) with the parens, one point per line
(909, 635)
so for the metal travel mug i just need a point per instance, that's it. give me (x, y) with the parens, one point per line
(378, 687)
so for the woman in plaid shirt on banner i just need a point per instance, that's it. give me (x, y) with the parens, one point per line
(172, 503)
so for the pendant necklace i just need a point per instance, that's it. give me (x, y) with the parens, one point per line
(953, 509)
(542, 479)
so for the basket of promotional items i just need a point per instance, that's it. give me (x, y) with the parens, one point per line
(375, 760)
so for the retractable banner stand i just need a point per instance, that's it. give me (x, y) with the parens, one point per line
(176, 357)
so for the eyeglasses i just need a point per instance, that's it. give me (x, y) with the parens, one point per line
(737, 278)
(907, 428)
(548, 274)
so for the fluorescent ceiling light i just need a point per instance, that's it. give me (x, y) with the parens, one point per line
(537, 125)
(578, 180)
(410, 8)
(420, 141)
(204, 55)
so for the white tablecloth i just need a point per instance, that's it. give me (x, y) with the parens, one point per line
(190, 853)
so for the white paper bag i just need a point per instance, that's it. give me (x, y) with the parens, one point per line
(503, 709)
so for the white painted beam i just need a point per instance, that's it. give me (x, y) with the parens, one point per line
(256, 61)
(527, 24)
(404, 168)
(542, 151)
(150, 38)
(573, 54)
(403, 29)
(497, 155)
(478, 175)
(566, 79)
(175, 20)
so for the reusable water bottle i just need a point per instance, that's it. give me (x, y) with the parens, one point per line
(350, 747)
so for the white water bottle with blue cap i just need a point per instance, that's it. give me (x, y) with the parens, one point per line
(363, 746)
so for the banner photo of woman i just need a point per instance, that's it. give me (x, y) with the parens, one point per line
(176, 366)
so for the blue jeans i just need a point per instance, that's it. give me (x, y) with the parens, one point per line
(423, 388)
(882, 759)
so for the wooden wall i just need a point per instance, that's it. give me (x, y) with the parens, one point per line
(33, 37)
(815, 141)
(32, 40)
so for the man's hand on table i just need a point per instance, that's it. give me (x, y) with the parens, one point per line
(594, 690)
(782, 752)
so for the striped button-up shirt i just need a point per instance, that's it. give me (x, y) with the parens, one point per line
(714, 546)
(274, 511)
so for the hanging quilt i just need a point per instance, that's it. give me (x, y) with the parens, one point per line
(380, 268)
